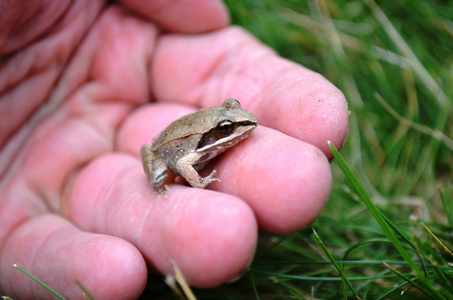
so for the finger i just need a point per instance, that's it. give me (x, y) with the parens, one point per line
(183, 16)
(284, 180)
(210, 236)
(57, 253)
(208, 68)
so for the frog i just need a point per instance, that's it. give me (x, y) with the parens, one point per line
(187, 145)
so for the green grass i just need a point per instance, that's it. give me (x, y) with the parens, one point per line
(392, 200)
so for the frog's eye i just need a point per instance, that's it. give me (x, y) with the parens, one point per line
(225, 127)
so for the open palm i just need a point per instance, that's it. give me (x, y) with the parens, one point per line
(83, 86)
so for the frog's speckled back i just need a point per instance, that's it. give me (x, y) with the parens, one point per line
(203, 121)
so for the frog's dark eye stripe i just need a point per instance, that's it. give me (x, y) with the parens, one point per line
(246, 123)
(227, 129)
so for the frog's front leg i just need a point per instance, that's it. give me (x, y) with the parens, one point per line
(155, 169)
(186, 170)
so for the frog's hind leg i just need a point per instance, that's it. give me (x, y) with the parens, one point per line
(155, 169)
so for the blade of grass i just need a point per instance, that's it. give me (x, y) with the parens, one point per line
(434, 133)
(344, 282)
(382, 221)
(254, 285)
(39, 282)
(181, 280)
(362, 244)
(292, 288)
(442, 276)
(85, 291)
(437, 239)
(296, 295)
(421, 288)
(404, 48)
(337, 266)
(281, 276)
(391, 291)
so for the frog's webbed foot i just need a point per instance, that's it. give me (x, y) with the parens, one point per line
(185, 168)
(162, 190)
(194, 179)
(209, 179)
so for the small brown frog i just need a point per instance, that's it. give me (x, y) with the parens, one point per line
(187, 144)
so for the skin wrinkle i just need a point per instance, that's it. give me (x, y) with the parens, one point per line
(18, 164)
(229, 65)
(206, 78)
(161, 6)
(51, 40)
(34, 177)
(34, 252)
(7, 104)
(98, 130)
(21, 28)
(140, 232)
(21, 212)
(145, 235)
(245, 83)
(10, 148)
(240, 80)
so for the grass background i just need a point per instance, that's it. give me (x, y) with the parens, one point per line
(394, 62)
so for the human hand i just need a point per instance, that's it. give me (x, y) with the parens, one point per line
(75, 82)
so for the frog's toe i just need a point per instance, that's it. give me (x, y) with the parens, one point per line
(161, 190)
(210, 178)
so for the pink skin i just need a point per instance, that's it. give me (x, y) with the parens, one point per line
(76, 79)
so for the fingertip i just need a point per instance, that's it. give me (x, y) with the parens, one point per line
(315, 110)
(309, 192)
(119, 268)
(212, 238)
(285, 181)
(56, 252)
